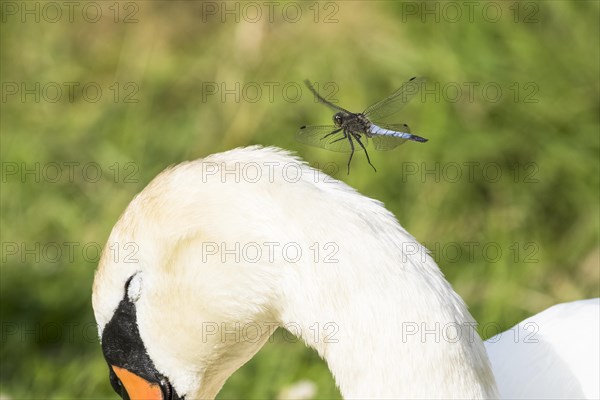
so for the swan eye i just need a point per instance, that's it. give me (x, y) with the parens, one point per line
(166, 389)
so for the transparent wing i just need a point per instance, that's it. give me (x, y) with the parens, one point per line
(322, 99)
(385, 108)
(327, 137)
(396, 127)
(384, 143)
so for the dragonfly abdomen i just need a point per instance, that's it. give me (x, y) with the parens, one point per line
(377, 130)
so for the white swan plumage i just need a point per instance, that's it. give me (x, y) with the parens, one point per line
(195, 301)
(553, 355)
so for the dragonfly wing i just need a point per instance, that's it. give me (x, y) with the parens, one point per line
(396, 127)
(394, 103)
(323, 100)
(384, 143)
(327, 137)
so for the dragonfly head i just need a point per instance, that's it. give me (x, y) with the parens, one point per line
(338, 118)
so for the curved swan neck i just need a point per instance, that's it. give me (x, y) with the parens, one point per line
(387, 323)
(391, 349)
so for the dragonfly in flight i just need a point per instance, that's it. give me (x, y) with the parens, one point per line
(363, 127)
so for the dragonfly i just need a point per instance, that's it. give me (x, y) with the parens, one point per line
(363, 127)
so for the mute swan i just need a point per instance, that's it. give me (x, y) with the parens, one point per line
(216, 253)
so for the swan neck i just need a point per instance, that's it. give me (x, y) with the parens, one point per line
(401, 342)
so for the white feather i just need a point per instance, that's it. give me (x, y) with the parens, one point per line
(552, 355)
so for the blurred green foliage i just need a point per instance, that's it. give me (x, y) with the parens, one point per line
(540, 133)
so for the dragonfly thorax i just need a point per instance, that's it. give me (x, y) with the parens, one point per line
(351, 122)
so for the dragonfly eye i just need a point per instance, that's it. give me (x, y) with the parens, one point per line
(337, 118)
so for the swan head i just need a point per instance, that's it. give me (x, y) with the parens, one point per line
(171, 337)
(175, 319)
(182, 300)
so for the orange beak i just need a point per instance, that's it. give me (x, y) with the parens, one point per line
(138, 388)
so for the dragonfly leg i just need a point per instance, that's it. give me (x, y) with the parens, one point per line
(331, 133)
(349, 136)
(342, 138)
(357, 137)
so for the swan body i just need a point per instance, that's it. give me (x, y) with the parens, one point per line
(553, 355)
(234, 245)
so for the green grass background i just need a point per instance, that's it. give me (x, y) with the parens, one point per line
(544, 140)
